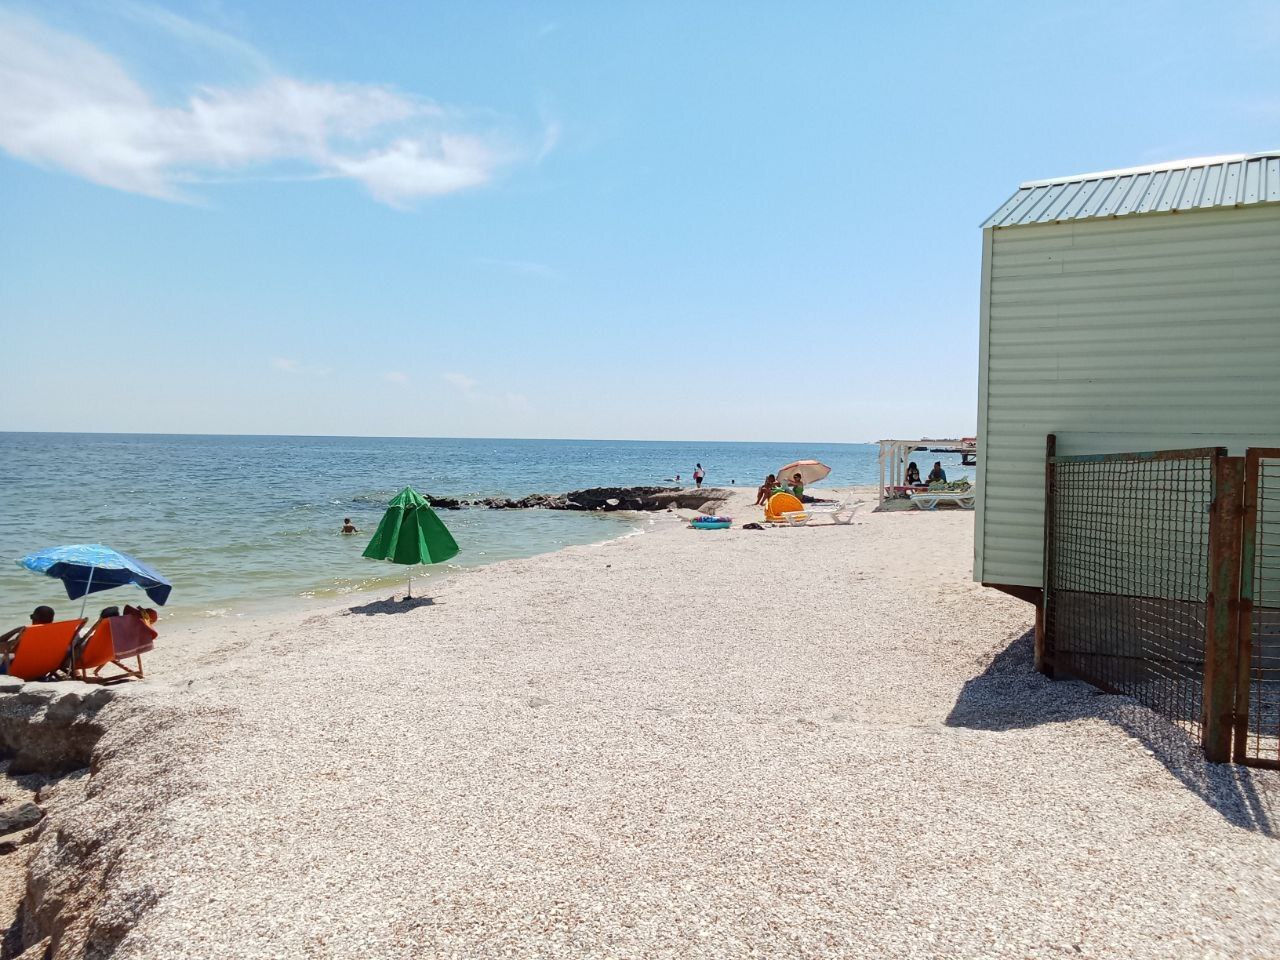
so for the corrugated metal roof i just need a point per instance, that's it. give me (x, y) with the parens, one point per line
(1231, 181)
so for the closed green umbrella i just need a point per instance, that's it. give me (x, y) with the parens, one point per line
(410, 532)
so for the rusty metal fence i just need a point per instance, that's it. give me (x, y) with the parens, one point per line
(1257, 733)
(1162, 582)
(1128, 575)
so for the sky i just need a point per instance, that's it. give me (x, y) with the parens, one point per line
(711, 221)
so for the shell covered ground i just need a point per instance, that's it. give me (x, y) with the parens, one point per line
(811, 742)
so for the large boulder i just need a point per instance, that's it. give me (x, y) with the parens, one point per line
(50, 727)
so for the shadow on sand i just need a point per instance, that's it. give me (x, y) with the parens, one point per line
(392, 605)
(1010, 695)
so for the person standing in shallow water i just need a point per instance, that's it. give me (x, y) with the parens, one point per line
(698, 474)
(348, 526)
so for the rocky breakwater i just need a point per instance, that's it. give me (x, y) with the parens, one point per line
(606, 499)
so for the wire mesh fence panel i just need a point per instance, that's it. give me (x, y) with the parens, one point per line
(1261, 714)
(1127, 575)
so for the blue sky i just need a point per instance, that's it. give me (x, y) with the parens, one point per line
(661, 220)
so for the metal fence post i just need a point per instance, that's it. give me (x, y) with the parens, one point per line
(1222, 609)
(1044, 647)
(1244, 625)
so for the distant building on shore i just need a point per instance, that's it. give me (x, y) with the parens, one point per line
(1131, 310)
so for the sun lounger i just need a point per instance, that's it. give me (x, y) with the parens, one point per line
(112, 641)
(929, 501)
(43, 649)
(836, 509)
(794, 518)
(899, 491)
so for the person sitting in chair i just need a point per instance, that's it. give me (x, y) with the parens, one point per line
(913, 474)
(9, 641)
(766, 490)
(937, 474)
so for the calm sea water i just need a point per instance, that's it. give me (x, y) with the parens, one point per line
(239, 521)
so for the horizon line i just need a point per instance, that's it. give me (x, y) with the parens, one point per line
(378, 436)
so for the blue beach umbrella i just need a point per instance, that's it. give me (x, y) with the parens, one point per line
(86, 568)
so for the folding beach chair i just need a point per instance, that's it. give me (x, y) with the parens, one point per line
(43, 648)
(112, 641)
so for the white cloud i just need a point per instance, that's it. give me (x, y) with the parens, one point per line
(409, 169)
(470, 390)
(528, 268)
(292, 366)
(551, 130)
(64, 103)
(460, 380)
(518, 403)
(192, 34)
(395, 376)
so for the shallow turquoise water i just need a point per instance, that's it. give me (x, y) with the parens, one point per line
(234, 521)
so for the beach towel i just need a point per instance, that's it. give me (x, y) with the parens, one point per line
(130, 636)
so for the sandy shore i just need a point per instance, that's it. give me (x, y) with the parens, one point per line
(812, 742)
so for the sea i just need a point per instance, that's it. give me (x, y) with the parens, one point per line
(241, 524)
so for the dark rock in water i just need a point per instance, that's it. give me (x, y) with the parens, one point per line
(635, 498)
(596, 498)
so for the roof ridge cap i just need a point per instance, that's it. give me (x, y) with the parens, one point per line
(1150, 168)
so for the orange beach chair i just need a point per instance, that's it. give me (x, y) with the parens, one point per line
(113, 640)
(785, 508)
(43, 649)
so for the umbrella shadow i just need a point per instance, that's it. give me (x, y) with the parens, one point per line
(392, 605)
(1010, 695)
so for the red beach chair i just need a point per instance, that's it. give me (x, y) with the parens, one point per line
(113, 640)
(43, 648)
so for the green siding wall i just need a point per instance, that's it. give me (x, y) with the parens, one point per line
(1138, 333)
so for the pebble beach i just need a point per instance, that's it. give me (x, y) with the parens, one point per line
(794, 742)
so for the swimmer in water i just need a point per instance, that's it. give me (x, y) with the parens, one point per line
(348, 526)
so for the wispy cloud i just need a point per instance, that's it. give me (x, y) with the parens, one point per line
(517, 402)
(193, 34)
(550, 138)
(527, 268)
(291, 366)
(67, 104)
(470, 390)
(460, 380)
(396, 376)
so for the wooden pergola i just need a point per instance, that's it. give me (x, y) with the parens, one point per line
(896, 454)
